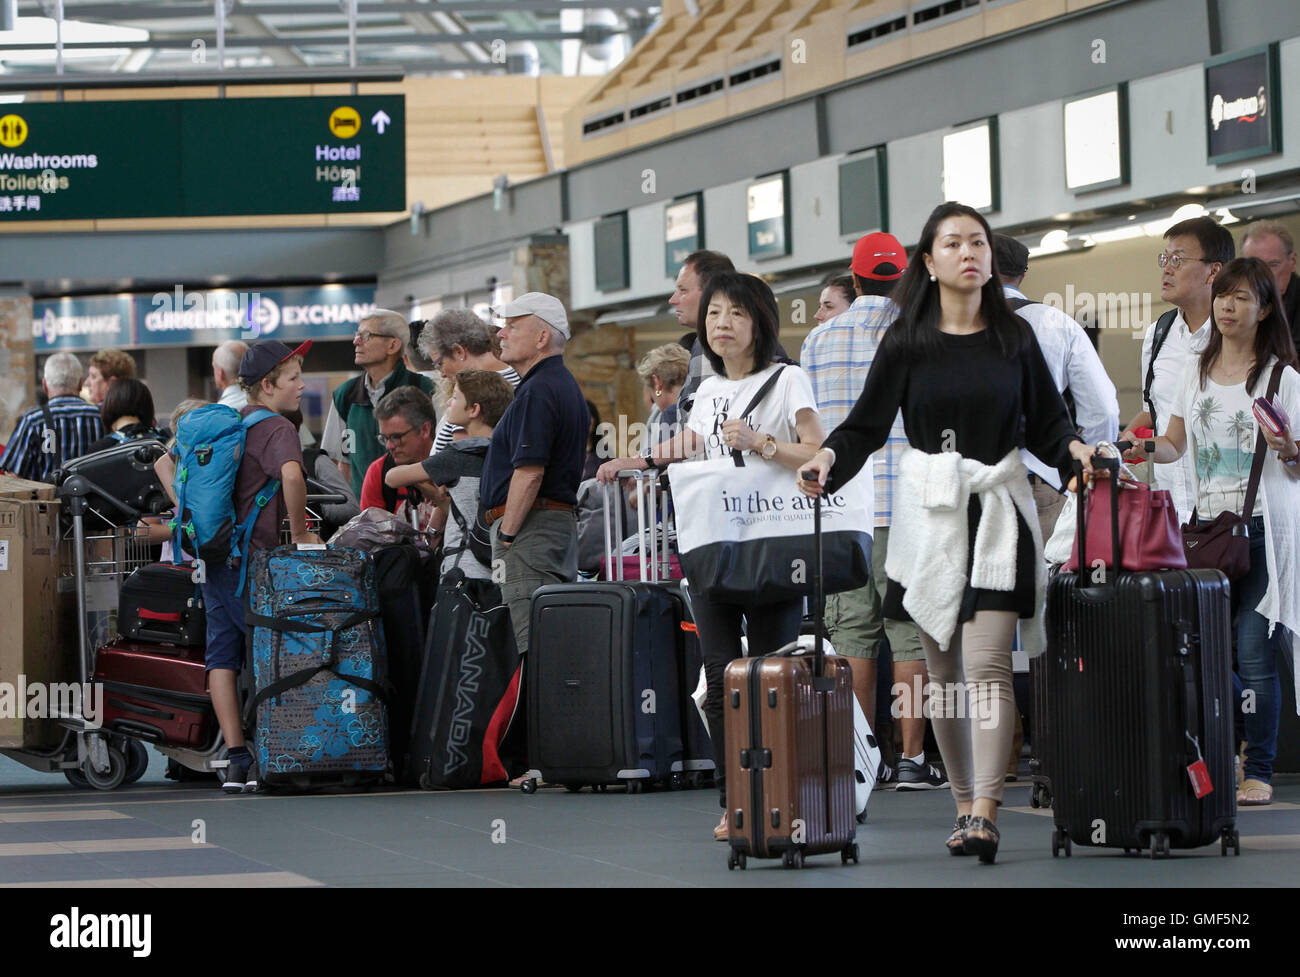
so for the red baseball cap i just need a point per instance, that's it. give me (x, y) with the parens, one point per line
(879, 257)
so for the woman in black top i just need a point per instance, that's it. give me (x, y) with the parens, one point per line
(127, 414)
(973, 388)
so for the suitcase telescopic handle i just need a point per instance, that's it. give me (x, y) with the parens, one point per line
(819, 598)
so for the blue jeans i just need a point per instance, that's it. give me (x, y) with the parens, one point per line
(1255, 680)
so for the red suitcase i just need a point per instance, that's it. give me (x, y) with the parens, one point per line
(156, 693)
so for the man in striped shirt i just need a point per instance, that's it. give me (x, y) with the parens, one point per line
(48, 436)
(837, 356)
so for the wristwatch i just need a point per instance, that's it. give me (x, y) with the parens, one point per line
(1292, 461)
(768, 449)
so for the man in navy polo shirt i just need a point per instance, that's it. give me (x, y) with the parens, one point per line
(534, 464)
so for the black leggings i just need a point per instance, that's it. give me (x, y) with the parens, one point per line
(768, 626)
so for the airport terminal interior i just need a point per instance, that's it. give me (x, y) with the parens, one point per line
(178, 175)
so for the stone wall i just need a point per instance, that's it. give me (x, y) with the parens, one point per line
(18, 381)
(602, 358)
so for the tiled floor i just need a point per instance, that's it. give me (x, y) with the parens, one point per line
(161, 834)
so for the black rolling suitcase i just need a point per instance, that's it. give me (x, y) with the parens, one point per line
(601, 682)
(161, 602)
(1137, 706)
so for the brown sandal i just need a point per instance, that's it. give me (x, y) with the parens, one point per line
(1254, 793)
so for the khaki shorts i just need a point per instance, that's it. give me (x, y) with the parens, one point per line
(854, 624)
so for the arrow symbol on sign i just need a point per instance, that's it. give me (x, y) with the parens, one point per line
(380, 120)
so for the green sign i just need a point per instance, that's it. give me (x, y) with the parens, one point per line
(203, 157)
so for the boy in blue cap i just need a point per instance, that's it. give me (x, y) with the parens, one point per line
(271, 375)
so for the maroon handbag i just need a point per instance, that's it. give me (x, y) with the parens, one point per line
(1223, 543)
(1140, 522)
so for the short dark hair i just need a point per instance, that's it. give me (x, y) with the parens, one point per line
(412, 403)
(127, 397)
(844, 283)
(707, 263)
(1215, 239)
(753, 295)
(870, 286)
(490, 390)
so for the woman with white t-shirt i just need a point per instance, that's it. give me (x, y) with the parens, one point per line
(738, 334)
(1213, 420)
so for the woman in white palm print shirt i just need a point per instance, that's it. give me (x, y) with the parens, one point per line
(1249, 334)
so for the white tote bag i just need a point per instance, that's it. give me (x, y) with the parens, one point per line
(745, 531)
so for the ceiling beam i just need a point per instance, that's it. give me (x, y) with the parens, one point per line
(326, 40)
(131, 12)
(253, 26)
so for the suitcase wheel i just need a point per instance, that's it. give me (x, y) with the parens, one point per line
(1160, 845)
(1061, 843)
(574, 788)
(849, 851)
(736, 860)
(862, 818)
(634, 786)
(529, 786)
(792, 858)
(675, 782)
(1230, 839)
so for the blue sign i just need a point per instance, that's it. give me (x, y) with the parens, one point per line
(97, 322)
(184, 317)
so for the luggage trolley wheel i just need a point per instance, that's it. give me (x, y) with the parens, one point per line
(110, 779)
(736, 859)
(137, 760)
(1160, 845)
(574, 788)
(792, 858)
(849, 851)
(529, 786)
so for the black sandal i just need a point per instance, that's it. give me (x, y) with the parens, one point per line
(957, 840)
(985, 848)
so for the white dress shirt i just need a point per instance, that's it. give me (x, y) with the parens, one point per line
(1181, 347)
(1074, 365)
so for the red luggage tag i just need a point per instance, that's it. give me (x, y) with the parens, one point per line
(1199, 774)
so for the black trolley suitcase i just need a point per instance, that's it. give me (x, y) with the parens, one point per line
(1136, 699)
(601, 680)
(161, 602)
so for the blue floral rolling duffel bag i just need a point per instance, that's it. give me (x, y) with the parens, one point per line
(319, 668)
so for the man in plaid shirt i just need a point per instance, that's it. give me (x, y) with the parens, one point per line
(836, 356)
(48, 436)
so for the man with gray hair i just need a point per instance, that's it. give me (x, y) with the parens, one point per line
(455, 340)
(351, 431)
(533, 466)
(225, 371)
(1273, 244)
(406, 421)
(59, 428)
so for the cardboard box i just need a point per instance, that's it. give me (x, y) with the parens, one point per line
(31, 645)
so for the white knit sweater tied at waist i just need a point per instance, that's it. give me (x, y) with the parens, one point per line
(929, 537)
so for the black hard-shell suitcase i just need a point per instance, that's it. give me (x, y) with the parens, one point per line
(1136, 688)
(161, 602)
(601, 685)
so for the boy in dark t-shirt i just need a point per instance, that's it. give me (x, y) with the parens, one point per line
(271, 375)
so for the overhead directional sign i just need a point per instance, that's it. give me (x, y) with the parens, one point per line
(203, 157)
